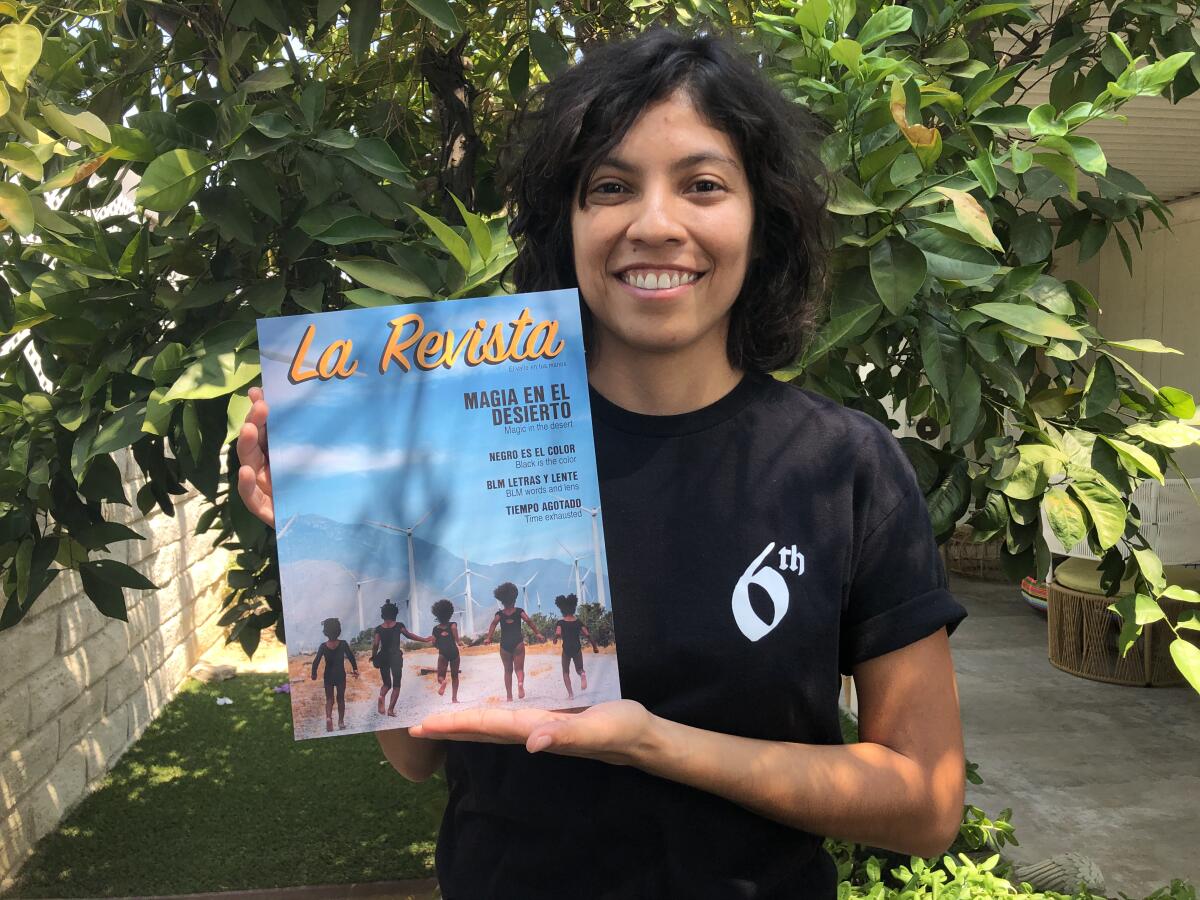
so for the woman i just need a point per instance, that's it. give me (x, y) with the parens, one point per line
(388, 655)
(761, 539)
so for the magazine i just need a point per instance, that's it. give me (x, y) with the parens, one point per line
(437, 511)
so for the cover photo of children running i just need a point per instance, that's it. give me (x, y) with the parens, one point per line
(434, 462)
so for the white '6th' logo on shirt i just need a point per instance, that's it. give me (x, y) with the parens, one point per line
(750, 623)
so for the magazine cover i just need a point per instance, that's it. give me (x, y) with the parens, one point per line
(437, 511)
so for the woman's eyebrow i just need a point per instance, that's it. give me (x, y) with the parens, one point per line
(686, 162)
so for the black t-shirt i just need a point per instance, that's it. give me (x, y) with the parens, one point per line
(757, 549)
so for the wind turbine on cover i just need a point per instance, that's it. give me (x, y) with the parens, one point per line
(583, 598)
(466, 573)
(574, 571)
(594, 512)
(414, 613)
(525, 591)
(284, 530)
(362, 622)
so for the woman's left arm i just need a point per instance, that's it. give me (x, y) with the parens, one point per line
(900, 788)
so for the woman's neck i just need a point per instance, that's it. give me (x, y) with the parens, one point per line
(661, 384)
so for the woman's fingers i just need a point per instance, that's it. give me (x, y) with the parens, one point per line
(254, 474)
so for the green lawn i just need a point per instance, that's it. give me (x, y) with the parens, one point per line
(221, 798)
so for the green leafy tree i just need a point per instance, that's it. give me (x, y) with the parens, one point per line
(309, 156)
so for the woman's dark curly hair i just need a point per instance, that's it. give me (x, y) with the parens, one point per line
(506, 593)
(389, 611)
(443, 610)
(331, 628)
(573, 122)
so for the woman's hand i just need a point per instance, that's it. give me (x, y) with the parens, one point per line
(254, 473)
(618, 732)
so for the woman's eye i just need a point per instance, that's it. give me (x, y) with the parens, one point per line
(601, 188)
(711, 184)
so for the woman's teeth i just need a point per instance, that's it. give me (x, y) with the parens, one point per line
(657, 281)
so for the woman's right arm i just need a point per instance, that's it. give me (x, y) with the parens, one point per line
(414, 758)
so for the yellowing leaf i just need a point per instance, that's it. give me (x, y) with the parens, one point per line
(16, 208)
(972, 217)
(20, 50)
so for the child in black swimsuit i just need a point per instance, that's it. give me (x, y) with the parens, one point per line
(387, 655)
(335, 652)
(569, 629)
(512, 641)
(445, 638)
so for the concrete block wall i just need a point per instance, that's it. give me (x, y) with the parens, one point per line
(77, 688)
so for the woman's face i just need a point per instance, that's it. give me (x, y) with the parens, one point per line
(663, 242)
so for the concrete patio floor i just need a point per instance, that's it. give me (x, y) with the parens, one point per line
(1108, 771)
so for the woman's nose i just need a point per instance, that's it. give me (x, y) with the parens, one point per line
(657, 218)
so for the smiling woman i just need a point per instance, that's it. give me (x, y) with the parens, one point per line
(762, 540)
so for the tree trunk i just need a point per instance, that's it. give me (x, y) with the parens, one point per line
(445, 74)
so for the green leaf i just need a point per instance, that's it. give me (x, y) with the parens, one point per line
(1029, 318)
(1084, 151)
(897, 271)
(20, 50)
(1146, 611)
(16, 208)
(884, 23)
(941, 354)
(447, 237)
(953, 260)
(1151, 568)
(1166, 434)
(1032, 238)
(215, 374)
(1187, 659)
(120, 430)
(477, 228)
(1175, 402)
(438, 12)
(20, 158)
(354, 229)
(840, 327)
(1063, 168)
(1106, 509)
(1044, 120)
(258, 184)
(308, 298)
(271, 78)
(949, 499)
(368, 297)
(981, 167)
(1066, 517)
(364, 19)
(172, 180)
(376, 156)
(848, 199)
(518, 74)
(384, 276)
(1143, 345)
(1136, 457)
(848, 52)
(964, 409)
(549, 53)
(1101, 388)
(1183, 595)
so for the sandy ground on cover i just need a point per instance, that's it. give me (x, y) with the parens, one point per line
(481, 683)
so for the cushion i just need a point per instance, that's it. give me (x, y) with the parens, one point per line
(1083, 575)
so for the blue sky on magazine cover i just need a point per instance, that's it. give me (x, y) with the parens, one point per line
(397, 446)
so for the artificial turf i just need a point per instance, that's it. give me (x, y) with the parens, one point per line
(219, 797)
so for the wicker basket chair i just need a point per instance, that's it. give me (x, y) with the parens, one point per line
(1084, 634)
